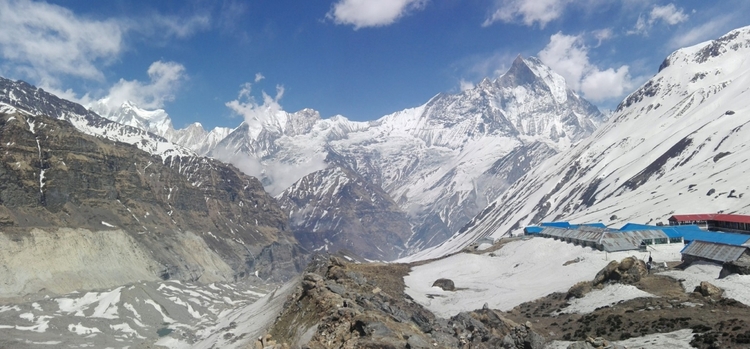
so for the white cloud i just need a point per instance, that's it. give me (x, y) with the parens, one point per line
(43, 41)
(668, 14)
(164, 80)
(276, 175)
(372, 13)
(527, 11)
(259, 77)
(161, 28)
(465, 85)
(602, 35)
(600, 85)
(569, 57)
(256, 115)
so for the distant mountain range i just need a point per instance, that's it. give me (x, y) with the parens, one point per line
(440, 163)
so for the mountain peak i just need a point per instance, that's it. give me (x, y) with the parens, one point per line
(519, 74)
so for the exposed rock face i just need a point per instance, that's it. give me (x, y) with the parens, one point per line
(579, 290)
(345, 305)
(335, 208)
(628, 271)
(188, 218)
(445, 284)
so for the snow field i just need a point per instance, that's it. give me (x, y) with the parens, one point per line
(521, 271)
(609, 295)
(671, 340)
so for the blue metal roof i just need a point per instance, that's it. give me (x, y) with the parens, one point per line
(692, 233)
(556, 224)
(716, 237)
(636, 226)
(533, 229)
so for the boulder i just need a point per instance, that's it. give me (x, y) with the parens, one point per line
(445, 284)
(628, 271)
(708, 290)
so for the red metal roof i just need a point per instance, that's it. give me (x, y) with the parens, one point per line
(723, 217)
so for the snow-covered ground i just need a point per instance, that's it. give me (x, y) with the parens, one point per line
(671, 340)
(735, 286)
(521, 271)
(609, 295)
(174, 314)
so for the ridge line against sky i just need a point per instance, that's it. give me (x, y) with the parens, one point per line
(212, 61)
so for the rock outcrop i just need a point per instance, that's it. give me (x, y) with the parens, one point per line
(628, 271)
(445, 284)
(347, 305)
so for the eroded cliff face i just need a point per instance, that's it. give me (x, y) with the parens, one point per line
(182, 217)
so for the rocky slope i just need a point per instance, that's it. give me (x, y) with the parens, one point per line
(335, 208)
(676, 145)
(71, 204)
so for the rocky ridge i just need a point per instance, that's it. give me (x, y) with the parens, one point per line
(346, 305)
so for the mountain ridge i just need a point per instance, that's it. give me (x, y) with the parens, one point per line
(689, 158)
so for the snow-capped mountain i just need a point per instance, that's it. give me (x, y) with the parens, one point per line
(676, 145)
(197, 139)
(155, 121)
(158, 122)
(441, 162)
(36, 101)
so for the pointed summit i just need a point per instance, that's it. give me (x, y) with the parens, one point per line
(519, 74)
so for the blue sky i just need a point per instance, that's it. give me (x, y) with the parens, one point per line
(211, 61)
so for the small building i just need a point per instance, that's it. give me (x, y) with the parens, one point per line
(714, 221)
(712, 252)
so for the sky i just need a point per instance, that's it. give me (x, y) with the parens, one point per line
(216, 61)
